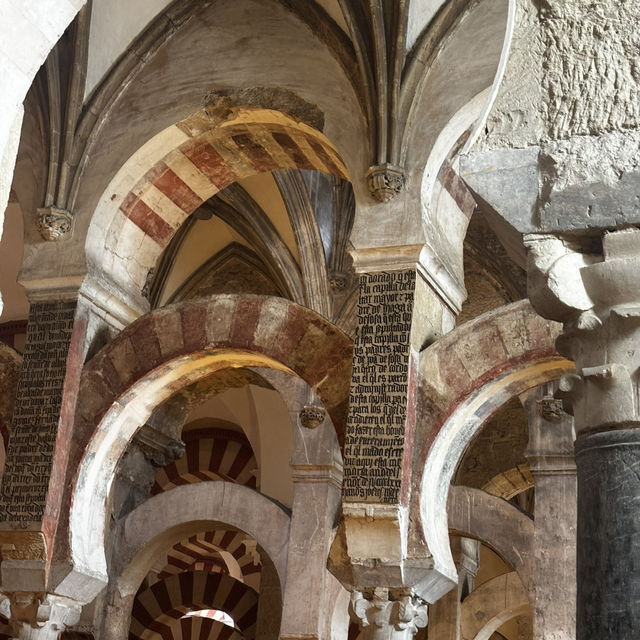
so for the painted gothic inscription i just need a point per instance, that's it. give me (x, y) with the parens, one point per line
(377, 404)
(37, 411)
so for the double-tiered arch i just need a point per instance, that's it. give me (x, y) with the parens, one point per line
(160, 354)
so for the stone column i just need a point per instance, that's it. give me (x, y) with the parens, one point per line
(317, 482)
(269, 616)
(550, 454)
(598, 299)
(308, 595)
(316, 500)
(114, 614)
(445, 614)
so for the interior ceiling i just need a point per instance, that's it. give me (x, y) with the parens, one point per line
(332, 7)
(263, 189)
(116, 23)
(209, 237)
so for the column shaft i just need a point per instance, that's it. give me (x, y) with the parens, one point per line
(609, 536)
(550, 454)
(316, 502)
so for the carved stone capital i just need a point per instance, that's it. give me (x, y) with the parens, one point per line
(571, 285)
(54, 223)
(598, 299)
(312, 417)
(386, 615)
(48, 614)
(26, 610)
(385, 181)
(554, 282)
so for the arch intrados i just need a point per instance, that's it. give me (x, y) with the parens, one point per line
(191, 627)
(498, 524)
(169, 349)
(137, 372)
(233, 555)
(492, 23)
(506, 598)
(510, 483)
(195, 599)
(465, 377)
(112, 436)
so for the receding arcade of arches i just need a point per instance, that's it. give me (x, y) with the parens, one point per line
(268, 369)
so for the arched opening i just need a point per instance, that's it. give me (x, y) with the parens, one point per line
(318, 353)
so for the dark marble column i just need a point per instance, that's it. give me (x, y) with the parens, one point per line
(609, 535)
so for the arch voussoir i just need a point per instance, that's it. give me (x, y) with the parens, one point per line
(284, 332)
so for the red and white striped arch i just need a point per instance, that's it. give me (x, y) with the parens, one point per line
(210, 454)
(198, 550)
(155, 608)
(171, 176)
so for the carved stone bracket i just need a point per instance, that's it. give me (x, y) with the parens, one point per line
(338, 281)
(551, 409)
(158, 448)
(385, 181)
(386, 615)
(54, 223)
(312, 417)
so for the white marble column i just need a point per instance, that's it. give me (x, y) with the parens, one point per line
(389, 615)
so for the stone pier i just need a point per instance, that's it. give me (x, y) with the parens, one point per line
(550, 455)
(400, 312)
